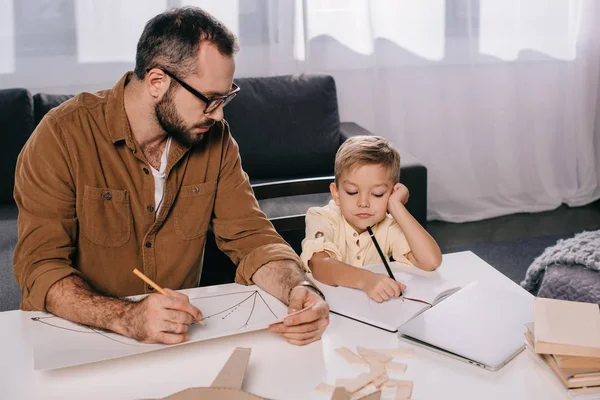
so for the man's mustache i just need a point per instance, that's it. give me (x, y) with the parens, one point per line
(207, 125)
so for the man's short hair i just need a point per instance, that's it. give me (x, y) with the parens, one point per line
(171, 41)
(367, 150)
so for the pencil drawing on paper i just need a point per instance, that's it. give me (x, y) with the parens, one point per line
(225, 312)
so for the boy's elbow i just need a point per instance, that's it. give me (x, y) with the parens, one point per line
(315, 265)
(314, 269)
(432, 263)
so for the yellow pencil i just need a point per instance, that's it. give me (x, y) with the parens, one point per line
(160, 290)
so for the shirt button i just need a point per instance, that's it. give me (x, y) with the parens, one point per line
(146, 171)
(358, 257)
(108, 196)
(355, 234)
(148, 244)
(150, 208)
(196, 190)
(150, 288)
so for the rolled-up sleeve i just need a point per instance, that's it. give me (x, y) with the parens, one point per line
(398, 245)
(320, 236)
(47, 224)
(241, 229)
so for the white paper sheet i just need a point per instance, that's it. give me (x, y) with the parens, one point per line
(227, 309)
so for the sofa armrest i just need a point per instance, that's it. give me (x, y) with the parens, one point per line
(414, 177)
(350, 129)
(292, 187)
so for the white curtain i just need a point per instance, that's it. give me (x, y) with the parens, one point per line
(7, 46)
(498, 98)
(105, 30)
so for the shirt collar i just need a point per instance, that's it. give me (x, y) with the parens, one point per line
(116, 117)
(352, 236)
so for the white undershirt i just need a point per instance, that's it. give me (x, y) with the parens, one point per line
(159, 178)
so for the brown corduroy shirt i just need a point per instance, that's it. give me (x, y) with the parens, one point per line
(86, 198)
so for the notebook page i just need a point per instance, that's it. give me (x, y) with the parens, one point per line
(422, 285)
(392, 313)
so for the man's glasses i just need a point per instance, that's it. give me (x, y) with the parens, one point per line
(212, 103)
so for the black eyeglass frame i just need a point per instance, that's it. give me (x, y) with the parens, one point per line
(212, 103)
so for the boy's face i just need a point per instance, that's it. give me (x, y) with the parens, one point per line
(362, 195)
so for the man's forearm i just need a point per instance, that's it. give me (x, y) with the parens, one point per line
(73, 299)
(279, 277)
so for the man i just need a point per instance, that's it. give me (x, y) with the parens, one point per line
(131, 177)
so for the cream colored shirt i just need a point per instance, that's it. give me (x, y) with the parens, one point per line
(327, 230)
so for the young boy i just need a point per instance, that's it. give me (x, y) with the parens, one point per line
(366, 188)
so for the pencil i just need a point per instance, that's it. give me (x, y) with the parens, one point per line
(160, 290)
(385, 263)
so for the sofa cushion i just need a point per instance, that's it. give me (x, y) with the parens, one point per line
(288, 121)
(16, 120)
(291, 122)
(45, 102)
(571, 283)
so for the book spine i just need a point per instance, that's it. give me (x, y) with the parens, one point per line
(565, 350)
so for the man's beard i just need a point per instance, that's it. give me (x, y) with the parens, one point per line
(173, 125)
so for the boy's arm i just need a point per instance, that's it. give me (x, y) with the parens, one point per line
(336, 273)
(332, 272)
(425, 252)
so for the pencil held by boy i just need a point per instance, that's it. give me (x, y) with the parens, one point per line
(366, 192)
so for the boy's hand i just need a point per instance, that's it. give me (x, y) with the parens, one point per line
(380, 287)
(399, 194)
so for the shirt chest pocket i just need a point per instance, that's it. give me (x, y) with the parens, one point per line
(193, 209)
(106, 216)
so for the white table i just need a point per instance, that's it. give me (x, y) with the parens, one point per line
(276, 370)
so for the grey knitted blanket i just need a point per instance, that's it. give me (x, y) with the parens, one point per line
(582, 249)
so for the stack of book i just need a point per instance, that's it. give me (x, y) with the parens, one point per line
(565, 337)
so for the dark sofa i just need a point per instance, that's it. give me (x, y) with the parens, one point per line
(288, 130)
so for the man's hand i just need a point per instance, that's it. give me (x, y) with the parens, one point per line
(399, 194)
(161, 319)
(307, 326)
(156, 319)
(380, 287)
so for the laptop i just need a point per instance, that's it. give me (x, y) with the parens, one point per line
(481, 324)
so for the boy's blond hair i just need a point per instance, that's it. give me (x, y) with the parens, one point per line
(367, 150)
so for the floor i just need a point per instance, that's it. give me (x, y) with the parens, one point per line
(510, 243)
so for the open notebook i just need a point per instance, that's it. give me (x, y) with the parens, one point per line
(389, 315)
